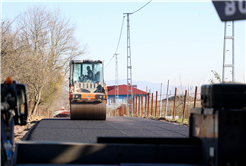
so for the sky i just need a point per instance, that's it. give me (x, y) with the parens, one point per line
(169, 40)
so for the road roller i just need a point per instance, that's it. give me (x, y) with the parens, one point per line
(88, 92)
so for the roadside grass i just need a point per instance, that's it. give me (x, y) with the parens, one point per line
(179, 121)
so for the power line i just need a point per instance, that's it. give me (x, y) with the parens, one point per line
(109, 61)
(120, 34)
(121, 31)
(142, 7)
(118, 41)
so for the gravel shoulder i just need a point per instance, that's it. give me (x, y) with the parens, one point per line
(21, 132)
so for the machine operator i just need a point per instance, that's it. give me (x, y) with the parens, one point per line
(89, 73)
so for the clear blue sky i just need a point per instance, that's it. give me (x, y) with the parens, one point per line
(168, 39)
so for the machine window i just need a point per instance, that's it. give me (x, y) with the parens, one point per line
(88, 73)
(77, 72)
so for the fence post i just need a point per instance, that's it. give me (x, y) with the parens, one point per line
(167, 98)
(195, 97)
(156, 98)
(145, 110)
(142, 105)
(133, 104)
(148, 104)
(161, 100)
(184, 106)
(136, 105)
(136, 111)
(174, 104)
(125, 109)
(152, 100)
(139, 106)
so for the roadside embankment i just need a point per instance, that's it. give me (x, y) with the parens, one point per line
(21, 132)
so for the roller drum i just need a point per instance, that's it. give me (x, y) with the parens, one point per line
(88, 111)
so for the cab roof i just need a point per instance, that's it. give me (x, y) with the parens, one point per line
(86, 61)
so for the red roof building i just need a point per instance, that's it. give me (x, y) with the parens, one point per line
(122, 89)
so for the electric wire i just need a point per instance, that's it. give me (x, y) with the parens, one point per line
(118, 41)
(121, 32)
(142, 7)
(109, 61)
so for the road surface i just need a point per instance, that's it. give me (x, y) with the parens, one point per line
(87, 131)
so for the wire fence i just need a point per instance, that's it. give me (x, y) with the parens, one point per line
(176, 106)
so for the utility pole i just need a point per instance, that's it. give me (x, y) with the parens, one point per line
(225, 50)
(129, 68)
(116, 86)
(129, 65)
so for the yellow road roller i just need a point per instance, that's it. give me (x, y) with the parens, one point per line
(88, 92)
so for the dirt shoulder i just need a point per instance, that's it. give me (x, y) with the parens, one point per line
(21, 132)
(176, 122)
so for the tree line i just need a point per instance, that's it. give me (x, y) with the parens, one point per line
(36, 48)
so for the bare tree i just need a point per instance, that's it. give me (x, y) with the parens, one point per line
(11, 47)
(47, 41)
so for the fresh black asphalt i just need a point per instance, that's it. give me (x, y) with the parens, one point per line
(87, 131)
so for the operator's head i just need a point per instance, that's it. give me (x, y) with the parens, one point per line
(88, 68)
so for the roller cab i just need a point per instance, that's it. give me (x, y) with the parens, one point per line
(87, 90)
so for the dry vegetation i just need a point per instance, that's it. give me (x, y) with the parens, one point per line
(36, 48)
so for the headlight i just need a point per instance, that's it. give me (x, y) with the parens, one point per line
(101, 97)
(76, 96)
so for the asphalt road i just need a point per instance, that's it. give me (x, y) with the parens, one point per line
(87, 131)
